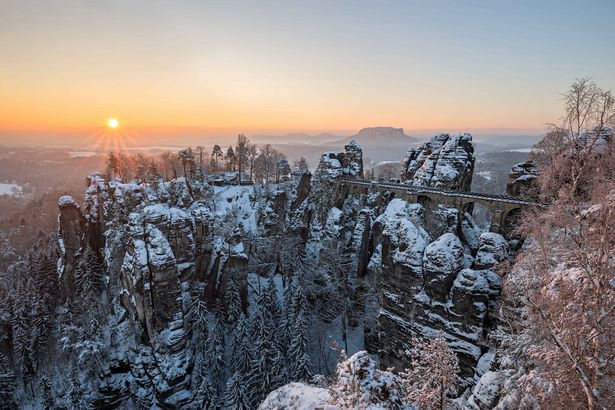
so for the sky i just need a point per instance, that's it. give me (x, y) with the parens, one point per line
(173, 67)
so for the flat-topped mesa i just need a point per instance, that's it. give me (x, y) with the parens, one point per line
(445, 162)
(523, 181)
(379, 131)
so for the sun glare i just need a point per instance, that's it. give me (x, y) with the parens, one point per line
(113, 123)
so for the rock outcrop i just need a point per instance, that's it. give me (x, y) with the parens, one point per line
(445, 162)
(426, 288)
(162, 246)
(523, 181)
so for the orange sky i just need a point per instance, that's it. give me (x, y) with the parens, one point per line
(67, 66)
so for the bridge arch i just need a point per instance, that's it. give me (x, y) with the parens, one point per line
(482, 213)
(425, 201)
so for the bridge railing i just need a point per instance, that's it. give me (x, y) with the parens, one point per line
(458, 194)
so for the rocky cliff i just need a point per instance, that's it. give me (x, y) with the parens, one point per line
(435, 269)
(523, 181)
(166, 244)
(445, 162)
(162, 248)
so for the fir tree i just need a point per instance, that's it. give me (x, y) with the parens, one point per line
(89, 276)
(236, 397)
(206, 397)
(299, 360)
(76, 395)
(47, 398)
(232, 300)
(198, 317)
(241, 351)
(7, 384)
(268, 370)
(214, 354)
(288, 319)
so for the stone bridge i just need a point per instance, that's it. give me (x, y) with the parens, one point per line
(504, 209)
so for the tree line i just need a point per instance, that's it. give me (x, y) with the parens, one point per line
(259, 163)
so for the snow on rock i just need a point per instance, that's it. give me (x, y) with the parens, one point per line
(442, 259)
(523, 180)
(492, 249)
(296, 396)
(470, 231)
(406, 239)
(443, 162)
(360, 384)
(486, 392)
(66, 200)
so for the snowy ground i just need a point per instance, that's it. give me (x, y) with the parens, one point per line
(11, 189)
(520, 150)
(236, 199)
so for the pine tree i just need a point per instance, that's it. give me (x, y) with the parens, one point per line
(206, 397)
(236, 397)
(199, 315)
(76, 395)
(89, 277)
(232, 300)
(46, 393)
(241, 351)
(214, 355)
(299, 360)
(7, 384)
(268, 371)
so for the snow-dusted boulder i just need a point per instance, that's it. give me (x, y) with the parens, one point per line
(486, 392)
(442, 259)
(296, 396)
(445, 162)
(492, 249)
(360, 384)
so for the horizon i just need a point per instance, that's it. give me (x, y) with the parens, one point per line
(163, 70)
(189, 136)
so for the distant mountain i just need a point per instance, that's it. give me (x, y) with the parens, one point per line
(378, 143)
(379, 137)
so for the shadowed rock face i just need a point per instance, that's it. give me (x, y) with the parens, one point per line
(445, 162)
(157, 244)
(523, 181)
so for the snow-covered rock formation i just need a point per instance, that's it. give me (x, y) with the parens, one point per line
(165, 244)
(523, 180)
(162, 244)
(445, 162)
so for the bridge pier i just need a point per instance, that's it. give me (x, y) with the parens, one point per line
(496, 221)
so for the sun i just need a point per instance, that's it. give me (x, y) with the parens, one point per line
(113, 123)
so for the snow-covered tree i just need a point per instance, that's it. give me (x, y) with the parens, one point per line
(232, 300)
(268, 371)
(298, 357)
(7, 383)
(46, 393)
(432, 375)
(236, 397)
(206, 397)
(214, 355)
(559, 296)
(360, 385)
(76, 397)
(241, 349)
